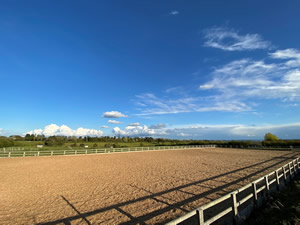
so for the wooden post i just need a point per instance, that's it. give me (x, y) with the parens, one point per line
(64, 152)
(75, 152)
(51, 153)
(38, 154)
(277, 180)
(86, 151)
(254, 194)
(9, 153)
(24, 153)
(234, 207)
(96, 151)
(200, 216)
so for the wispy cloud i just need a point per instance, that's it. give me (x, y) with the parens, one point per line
(154, 105)
(292, 55)
(134, 124)
(246, 78)
(63, 130)
(174, 13)
(234, 86)
(113, 114)
(173, 89)
(158, 126)
(104, 126)
(230, 40)
(114, 121)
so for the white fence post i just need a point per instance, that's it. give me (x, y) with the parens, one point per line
(267, 186)
(200, 216)
(277, 180)
(234, 207)
(254, 193)
(24, 153)
(51, 153)
(284, 174)
(38, 154)
(9, 153)
(290, 170)
(294, 167)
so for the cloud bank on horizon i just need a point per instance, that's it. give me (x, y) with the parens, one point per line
(220, 132)
(63, 130)
(192, 131)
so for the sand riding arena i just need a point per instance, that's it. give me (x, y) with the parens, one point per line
(151, 187)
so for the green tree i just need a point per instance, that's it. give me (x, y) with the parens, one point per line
(5, 142)
(54, 141)
(271, 137)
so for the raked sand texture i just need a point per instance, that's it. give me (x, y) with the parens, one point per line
(125, 188)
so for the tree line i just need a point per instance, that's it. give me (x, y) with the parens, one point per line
(270, 140)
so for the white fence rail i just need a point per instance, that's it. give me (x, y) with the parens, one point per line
(237, 208)
(94, 151)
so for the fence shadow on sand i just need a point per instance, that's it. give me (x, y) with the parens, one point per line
(176, 205)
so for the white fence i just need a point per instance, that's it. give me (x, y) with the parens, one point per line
(94, 151)
(240, 203)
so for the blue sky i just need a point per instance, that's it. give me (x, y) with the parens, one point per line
(172, 69)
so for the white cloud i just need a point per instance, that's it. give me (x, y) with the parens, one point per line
(154, 105)
(245, 79)
(114, 121)
(113, 114)
(134, 124)
(286, 54)
(234, 87)
(53, 129)
(174, 13)
(137, 131)
(174, 90)
(104, 126)
(230, 40)
(36, 132)
(158, 126)
(293, 56)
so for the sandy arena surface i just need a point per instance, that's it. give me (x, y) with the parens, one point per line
(125, 188)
